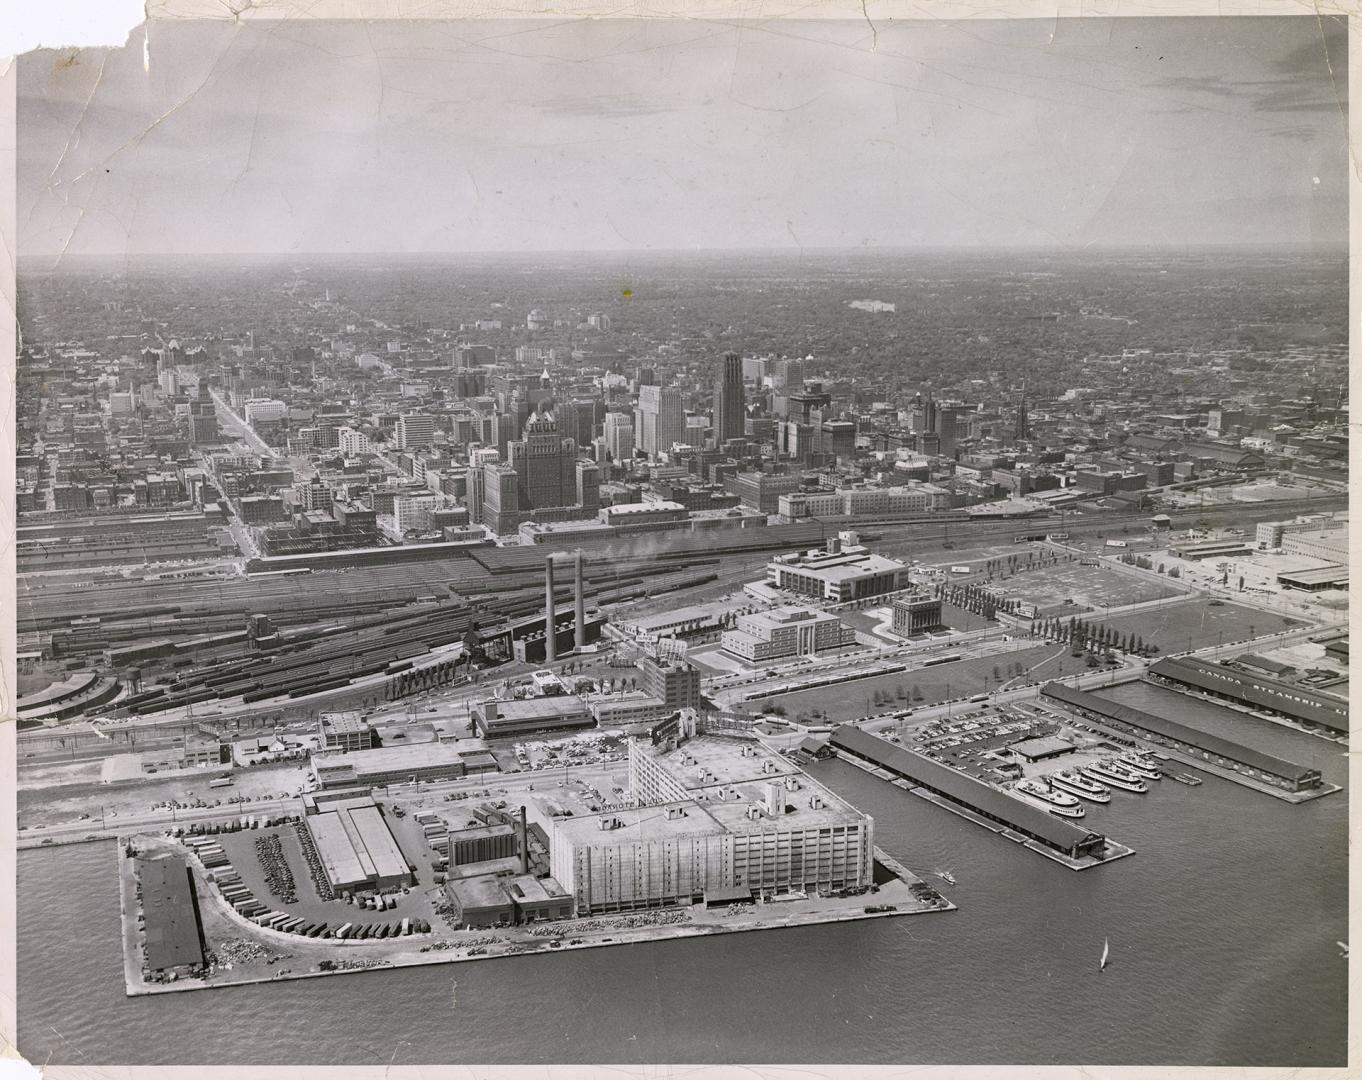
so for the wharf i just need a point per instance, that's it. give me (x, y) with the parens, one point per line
(1113, 850)
(282, 957)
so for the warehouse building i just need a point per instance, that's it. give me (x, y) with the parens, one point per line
(980, 798)
(721, 821)
(506, 899)
(356, 847)
(345, 731)
(1163, 732)
(1256, 691)
(1320, 579)
(426, 762)
(1330, 545)
(560, 712)
(174, 935)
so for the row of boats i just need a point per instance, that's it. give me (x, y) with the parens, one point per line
(1063, 792)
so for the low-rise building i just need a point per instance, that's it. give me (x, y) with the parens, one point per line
(389, 765)
(916, 615)
(837, 574)
(497, 719)
(786, 631)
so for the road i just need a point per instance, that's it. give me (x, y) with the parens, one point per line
(230, 421)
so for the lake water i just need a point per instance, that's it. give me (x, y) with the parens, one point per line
(1222, 929)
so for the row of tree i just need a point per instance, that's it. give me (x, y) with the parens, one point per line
(976, 599)
(1095, 637)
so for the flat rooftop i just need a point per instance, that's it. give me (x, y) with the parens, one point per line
(173, 935)
(536, 707)
(384, 758)
(483, 891)
(638, 825)
(355, 844)
(732, 782)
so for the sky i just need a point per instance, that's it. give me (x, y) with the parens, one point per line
(287, 136)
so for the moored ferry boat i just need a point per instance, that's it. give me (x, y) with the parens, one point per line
(1146, 769)
(1085, 787)
(1116, 777)
(1057, 802)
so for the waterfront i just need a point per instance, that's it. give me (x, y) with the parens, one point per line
(1222, 929)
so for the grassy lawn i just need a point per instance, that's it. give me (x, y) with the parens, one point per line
(1197, 624)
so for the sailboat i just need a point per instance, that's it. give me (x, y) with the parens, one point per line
(1106, 950)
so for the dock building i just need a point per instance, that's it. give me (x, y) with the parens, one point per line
(965, 791)
(173, 931)
(1251, 689)
(1211, 748)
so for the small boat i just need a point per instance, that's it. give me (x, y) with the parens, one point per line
(1054, 800)
(1106, 951)
(1188, 778)
(1075, 783)
(1116, 777)
(946, 876)
(1343, 948)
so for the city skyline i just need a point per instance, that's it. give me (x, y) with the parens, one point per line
(659, 137)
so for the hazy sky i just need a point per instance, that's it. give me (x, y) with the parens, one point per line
(289, 136)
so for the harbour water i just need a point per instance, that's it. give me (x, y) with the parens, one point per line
(1222, 931)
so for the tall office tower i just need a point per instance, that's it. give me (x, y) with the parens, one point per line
(756, 368)
(500, 499)
(662, 419)
(1023, 426)
(645, 377)
(730, 401)
(790, 375)
(544, 461)
(415, 431)
(580, 421)
(588, 485)
(619, 436)
(950, 427)
(922, 414)
(476, 494)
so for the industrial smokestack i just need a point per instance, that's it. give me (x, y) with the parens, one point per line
(579, 624)
(524, 843)
(550, 624)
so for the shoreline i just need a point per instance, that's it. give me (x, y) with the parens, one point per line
(221, 925)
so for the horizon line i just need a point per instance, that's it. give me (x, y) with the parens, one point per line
(1263, 245)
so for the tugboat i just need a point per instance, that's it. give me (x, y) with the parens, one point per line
(1140, 767)
(1057, 802)
(1075, 783)
(1116, 777)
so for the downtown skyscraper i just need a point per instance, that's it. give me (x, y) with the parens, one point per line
(730, 400)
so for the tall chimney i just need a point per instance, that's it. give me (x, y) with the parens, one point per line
(523, 833)
(550, 625)
(579, 624)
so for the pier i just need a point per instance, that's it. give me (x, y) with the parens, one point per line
(1070, 845)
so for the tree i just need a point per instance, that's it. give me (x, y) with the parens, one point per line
(916, 692)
